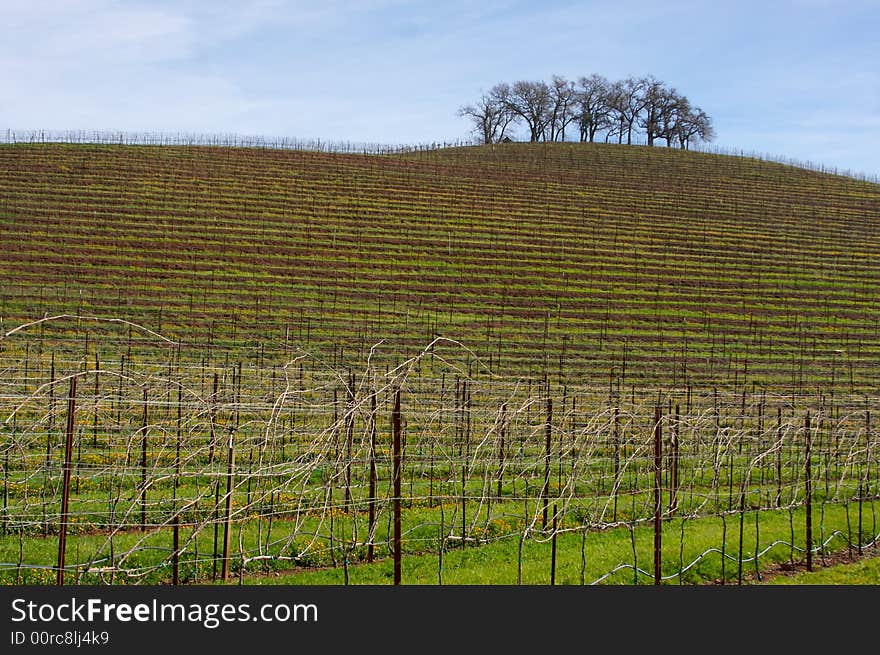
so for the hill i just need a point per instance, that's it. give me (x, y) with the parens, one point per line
(587, 262)
(220, 327)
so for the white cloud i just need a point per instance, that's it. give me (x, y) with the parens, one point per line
(95, 33)
(175, 101)
(395, 70)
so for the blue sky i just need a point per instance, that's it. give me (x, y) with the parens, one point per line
(796, 78)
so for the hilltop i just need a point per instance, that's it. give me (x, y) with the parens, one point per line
(592, 263)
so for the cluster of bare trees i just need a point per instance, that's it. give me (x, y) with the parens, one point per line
(590, 108)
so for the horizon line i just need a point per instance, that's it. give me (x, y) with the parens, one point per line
(11, 136)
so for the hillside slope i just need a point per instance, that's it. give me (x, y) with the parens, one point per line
(593, 263)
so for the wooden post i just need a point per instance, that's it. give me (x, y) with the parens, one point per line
(175, 572)
(49, 433)
(119, 391)
(501, 449)
(396, 475)
(673, 491)
(658, 493)
(373, 476)
(757, 545)
(859, 548)
(742, 514)
(616, 460)
(6, 485)
(213, 420)
(808, 482)
(95, 412)
(215, 518)
(778, 457)
(349, 438)
(441, 545)
(545, 490)
(863, 480)
(65, 491)
(144, 466)
(465, 453)
(230, 472)
(553, 550)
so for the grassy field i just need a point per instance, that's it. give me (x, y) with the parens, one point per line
(586, 262)
(863, 572)
(239, 320)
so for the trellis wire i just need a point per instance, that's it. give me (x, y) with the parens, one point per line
(297, 472)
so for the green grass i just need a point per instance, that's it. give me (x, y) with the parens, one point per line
(863, 572)
(695, 268)
(604, 277)
(597, 553)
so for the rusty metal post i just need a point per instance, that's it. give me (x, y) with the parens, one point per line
(742, 516)
(349, 438)
(230, 472)
(779, 457)
(144, 466)
(95, 411)
(373, 478)
(553, 550)
(616, 460)
(464, 450)
(175, 571)
(658, 493)
(396, 474)
(175, 557)
(501, 450)
(865, 479)
(65, 490)
(808, 482)
(545, 490)
(673, 486)
(213, 421)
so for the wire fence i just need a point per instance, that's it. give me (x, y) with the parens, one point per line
(219, 140)
(233, 140)
(171, 470)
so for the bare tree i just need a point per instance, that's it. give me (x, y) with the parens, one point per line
(654, 98)
(490, 115)
(592, 100)
(669, 115)
(627, 101)
(596, 105)
(531, 101)
(615, 129)
(562, 96)
(676, 108)
(695, 126)
(663, 109)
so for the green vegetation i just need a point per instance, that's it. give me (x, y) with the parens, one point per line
(863, 572)
(561, 258)
(692, 547)
(245, 316)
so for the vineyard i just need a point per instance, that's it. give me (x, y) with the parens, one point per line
(523, 363)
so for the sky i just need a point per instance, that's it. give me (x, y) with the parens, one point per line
(789, 78)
